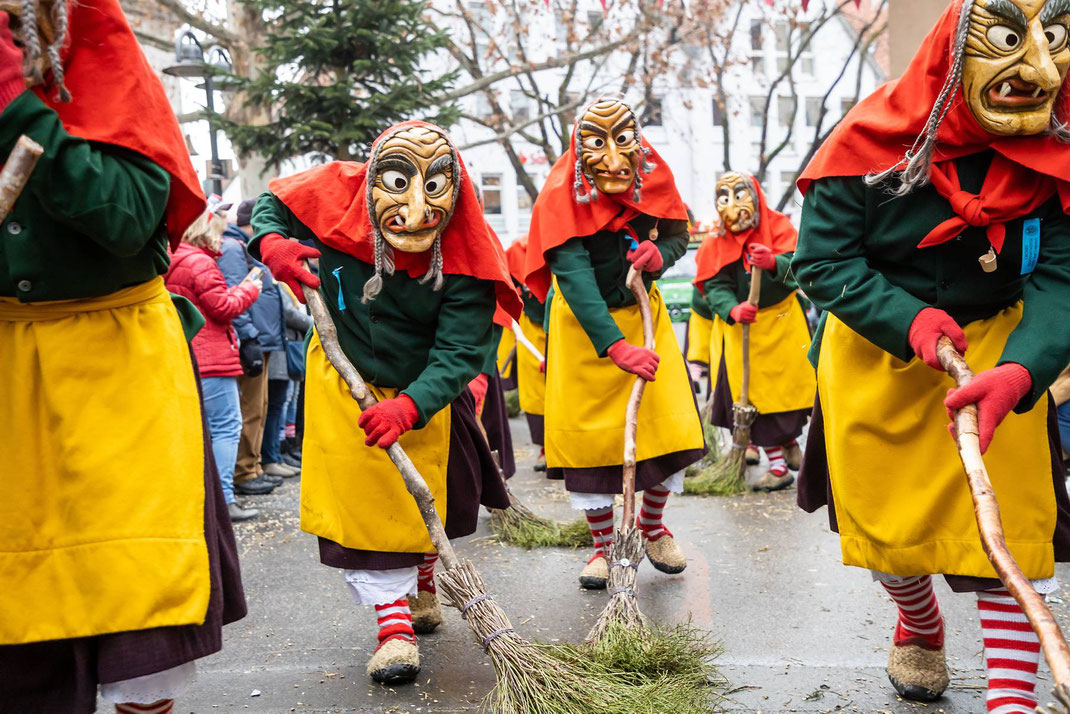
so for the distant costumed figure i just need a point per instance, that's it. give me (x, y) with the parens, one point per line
(119, 563)
(530, 370)
(781, 379)
(412, 277)
(964, 237)
(603, 204)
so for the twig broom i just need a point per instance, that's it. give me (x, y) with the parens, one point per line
(989, 523)
(728, 476)
(530, 678)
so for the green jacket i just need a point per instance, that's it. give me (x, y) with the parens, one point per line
(858, 259)
(731, 286)
(90, 220)
(428, 343)
(591, 271)
(699, 306)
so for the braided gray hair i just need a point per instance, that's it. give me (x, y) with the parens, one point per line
(34, 54)
(586, 193)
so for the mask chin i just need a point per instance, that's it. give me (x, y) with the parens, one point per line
(410, 243)
(613, 186)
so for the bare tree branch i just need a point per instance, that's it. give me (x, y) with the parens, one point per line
(201, 23)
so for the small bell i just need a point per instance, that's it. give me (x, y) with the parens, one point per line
(988, 261)
(653, 235)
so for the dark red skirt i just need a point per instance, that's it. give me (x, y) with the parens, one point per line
(815, 491)
(610, 479)
(769, 429)
(537, 428)
(62, 675)
(472, 480)
(496, 422)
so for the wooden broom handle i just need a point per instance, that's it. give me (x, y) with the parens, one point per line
(414, 482)
(523, 340)
(16, 172)
(631, 416)
(989, 523)
(753, 298)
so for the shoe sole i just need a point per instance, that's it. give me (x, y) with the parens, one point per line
(667, 569)
(425, 627)
(913, 692)
(773, 489)
(591, 583)
(397, 674)
(540, 469)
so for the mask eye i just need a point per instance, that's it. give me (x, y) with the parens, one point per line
(594, 143)
(625, 137)
(723, 199)
(1003, 38)
(1056, 35)
(741, 195)
(394, 181)
(435, 185)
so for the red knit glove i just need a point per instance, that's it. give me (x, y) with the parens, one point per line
(996, 392)
(12, 81)
(637, 360)
(761, 257)
(478, 387)
(542, 367)
(286, 260)
(744, 313)
(929, 326)
(646, 258)
(388, 420)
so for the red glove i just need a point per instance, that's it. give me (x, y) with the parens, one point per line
(388, 420)
(478, 387)
(542, 367)
(12, 81)
(637, 360)
(286, 260)
(929, 326)
(761, 257)
(744, 313)
(646, 258)
(996, 392)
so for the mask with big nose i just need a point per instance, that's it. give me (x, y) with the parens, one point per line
(609, 146)
(737, 202)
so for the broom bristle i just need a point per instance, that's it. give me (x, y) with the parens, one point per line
(727, 477)
(712, 436)
(625, 556)
(521, 527)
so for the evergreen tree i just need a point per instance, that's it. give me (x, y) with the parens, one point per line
(338, 72)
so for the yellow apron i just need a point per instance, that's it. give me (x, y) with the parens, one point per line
(586, 395)
(102, 517)
(353, 494)
(781, 377)
(531, 381)
(901, 497)
(505, 348)
(699, 333)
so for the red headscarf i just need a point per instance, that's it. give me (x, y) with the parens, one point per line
(516, 256)
(557, 217)
(724, 247)
(331, 200)
(1025, 172)
(117, 99)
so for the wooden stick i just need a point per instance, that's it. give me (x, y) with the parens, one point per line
(17, 170)
(522, 339)
(989, 523)
(752, 298)
(414, 482)
(631, 418)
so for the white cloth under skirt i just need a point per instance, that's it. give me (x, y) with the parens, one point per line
(380, 587)
(168, 684)
(598, 501)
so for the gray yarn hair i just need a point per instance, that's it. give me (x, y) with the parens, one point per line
(34, 53)
(589, 192)
(384, 252)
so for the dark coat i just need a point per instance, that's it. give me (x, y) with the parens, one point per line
(264, 321)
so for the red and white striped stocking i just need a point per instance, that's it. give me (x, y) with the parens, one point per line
(600, 521)
(395, 621)
(650, 515)
(164, 706)
(1012, 654)
(777, 464)
(920, 622)
(425, 573)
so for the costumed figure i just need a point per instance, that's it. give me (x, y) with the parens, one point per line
(119, 562)
(700, 329)
(411, 275)
(603, 204)
(782, 381)
(963, 237)
(530, 370)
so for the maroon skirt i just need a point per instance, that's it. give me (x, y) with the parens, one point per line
(815, 491)
(472, 479)
(776, 429)
(537, 428)
(62, 675)
(496, 421)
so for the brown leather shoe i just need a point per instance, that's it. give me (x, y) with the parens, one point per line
(918, 674)
(793, 456)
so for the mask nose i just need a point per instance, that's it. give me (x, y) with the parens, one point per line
(1037, 65)
(415, 211)
(615, 161)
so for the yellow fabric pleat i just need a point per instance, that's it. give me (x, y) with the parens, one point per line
(586, 395)
(531, 381)
(102, 517)
(699, 332)
(353, 494)
(781, 377)
(901, 497)
(505, 348)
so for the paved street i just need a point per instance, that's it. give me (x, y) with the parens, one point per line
(800, 632)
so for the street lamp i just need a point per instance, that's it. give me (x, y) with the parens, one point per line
(192, 62)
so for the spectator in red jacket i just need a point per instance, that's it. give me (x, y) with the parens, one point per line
(195, 275)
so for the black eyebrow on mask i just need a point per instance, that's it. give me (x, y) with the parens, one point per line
(622, 123)
(1054, 9)
(440, 165)
(588, 126)
(1008, 11)
(396, 163)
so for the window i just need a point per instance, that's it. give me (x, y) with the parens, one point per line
(786, 110)
(491, 184)
(756, 35)
(483, 110)
(813, 111)
(718, 112)
(846, 105)
(757, 112)
(789, 39)
(520, 106)
(787, 178)
(523, 200)
(652, 112)
(594, 20)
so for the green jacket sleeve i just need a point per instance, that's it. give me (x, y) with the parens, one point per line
(673, 238)
(571, 265)
(490, 364)
(783, 274)
(269, 216)
(720, 292)
(1041, 342)
(831, 267)
(114, 196)
(461, 344)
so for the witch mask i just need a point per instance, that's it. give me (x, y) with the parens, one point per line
(609, 151)
(1014, 61)
(737, 202)
(415, 180)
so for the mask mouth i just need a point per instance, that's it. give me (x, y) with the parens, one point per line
(1016, 94)
(624, 173)
(396, 224)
